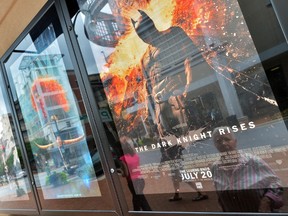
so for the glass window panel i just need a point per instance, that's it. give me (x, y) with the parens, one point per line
(181, 79)
(58, 138)
(15, 190)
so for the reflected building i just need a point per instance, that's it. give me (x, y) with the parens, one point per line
(44, 104)
(102, 28)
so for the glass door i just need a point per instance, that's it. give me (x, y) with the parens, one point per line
(15, 185)
(55, 128)
(185, 87)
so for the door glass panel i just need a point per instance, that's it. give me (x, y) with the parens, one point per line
(197, 115)
(15, 190)
(56, 131)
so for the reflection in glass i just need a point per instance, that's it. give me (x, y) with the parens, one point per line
(244, 182)
(135, 181)
(54, 124)
(14, 184)
(179, 70)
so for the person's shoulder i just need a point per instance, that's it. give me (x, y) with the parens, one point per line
(124, 157)
(215, 165)
(175, 29)
(150, 52)
(250, 158)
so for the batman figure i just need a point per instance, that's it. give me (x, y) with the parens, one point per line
(167, 66)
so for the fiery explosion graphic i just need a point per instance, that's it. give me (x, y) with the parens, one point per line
(213, 25)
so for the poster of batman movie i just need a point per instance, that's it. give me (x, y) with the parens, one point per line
(176, 73)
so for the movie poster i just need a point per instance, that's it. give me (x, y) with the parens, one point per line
(53, 123)
(180, 69)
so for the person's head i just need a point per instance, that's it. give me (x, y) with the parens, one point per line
(127, 145)
(224, 140)
(145, 28)
(59, 140)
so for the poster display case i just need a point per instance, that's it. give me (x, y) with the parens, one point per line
(63, 157)
(191, 101)
(137, 107)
